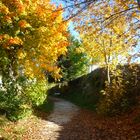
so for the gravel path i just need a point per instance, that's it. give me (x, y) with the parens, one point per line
(62, 114)
(51, 127)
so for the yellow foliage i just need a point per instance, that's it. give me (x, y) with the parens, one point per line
(39, 36)
(108, 39)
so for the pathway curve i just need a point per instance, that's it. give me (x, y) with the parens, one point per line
(68, 122)
(50, 128)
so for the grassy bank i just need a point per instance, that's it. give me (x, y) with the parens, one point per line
(84, 91)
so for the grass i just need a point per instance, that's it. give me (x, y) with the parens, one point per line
(137, 119)
(15, 130)
(79, 100)
(3, 121)
(83, 91)
(11, 130)
(47, 106)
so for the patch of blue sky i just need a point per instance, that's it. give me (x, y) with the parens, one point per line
(71, 26)
(73, 31)
(58, 2)
(136, 50)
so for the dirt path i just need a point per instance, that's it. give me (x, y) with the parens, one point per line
(62, 114)
(50, 128)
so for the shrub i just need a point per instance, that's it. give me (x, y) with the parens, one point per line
(17, 97)
(119, 96)
(36, 92)
(113, 97)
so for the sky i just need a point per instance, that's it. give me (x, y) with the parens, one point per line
(71, 25)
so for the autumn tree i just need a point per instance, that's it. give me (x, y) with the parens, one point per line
(32, 37)
(33, 34)
(107, 42)
(110, 37)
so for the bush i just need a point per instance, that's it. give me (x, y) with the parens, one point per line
(119, 95)
(17, 97)
(36, 92)
(113, 97)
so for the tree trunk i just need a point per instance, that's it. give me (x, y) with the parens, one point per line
(107, 68)
(138, 1)
(108, 73)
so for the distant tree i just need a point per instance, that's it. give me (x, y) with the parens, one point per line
(75, 63)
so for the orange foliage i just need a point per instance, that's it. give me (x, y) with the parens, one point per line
(39, 32)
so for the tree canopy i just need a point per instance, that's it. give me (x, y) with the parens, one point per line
(32, 36)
